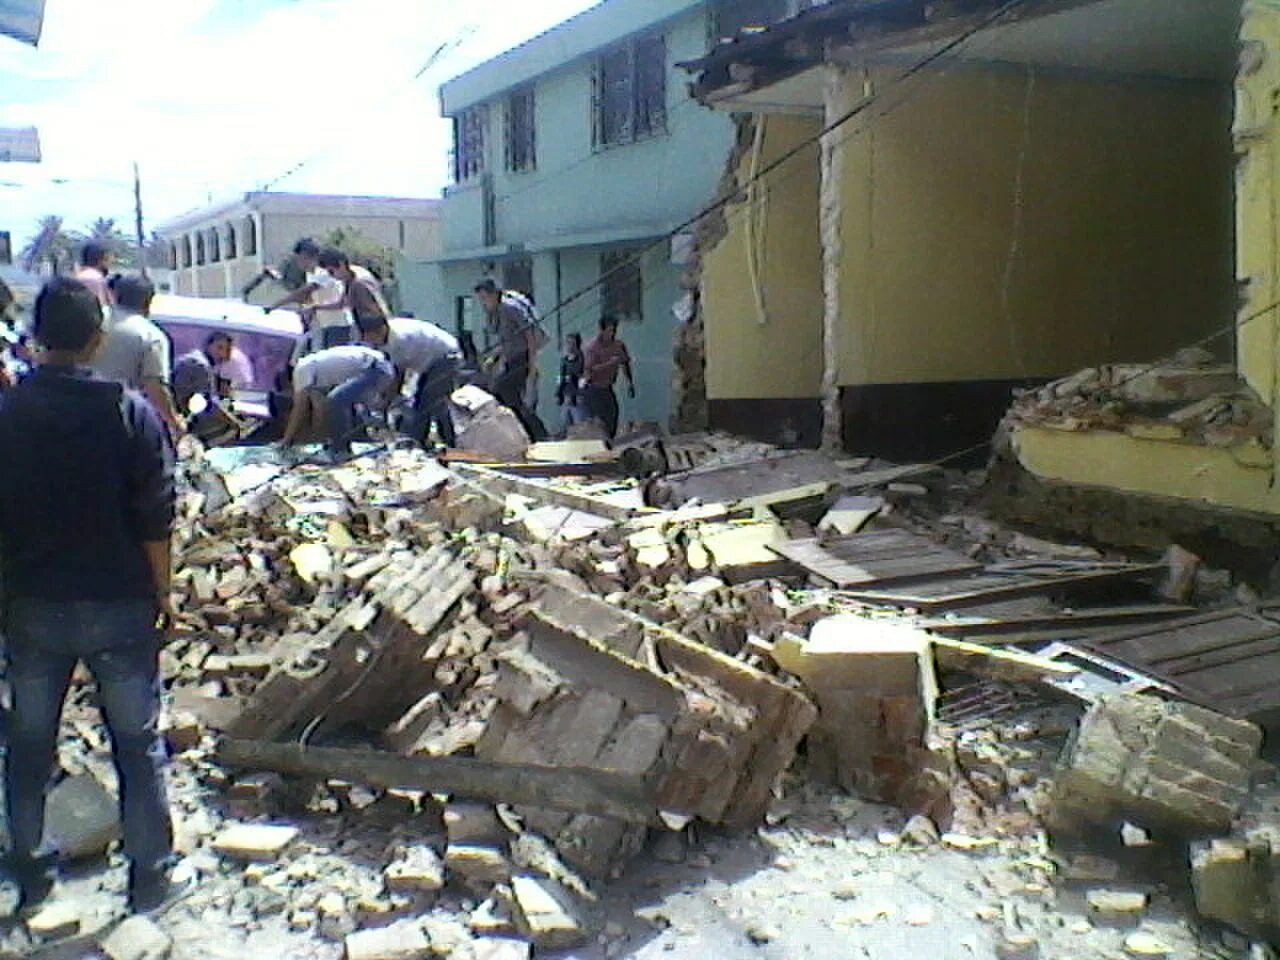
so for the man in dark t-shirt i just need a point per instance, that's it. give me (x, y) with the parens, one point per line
(86, 513)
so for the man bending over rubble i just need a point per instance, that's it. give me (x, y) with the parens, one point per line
(415, 346)
(86, 510)
(328, 386)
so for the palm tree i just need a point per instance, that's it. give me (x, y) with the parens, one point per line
(52, 246)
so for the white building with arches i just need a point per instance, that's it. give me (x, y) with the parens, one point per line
(219, 250)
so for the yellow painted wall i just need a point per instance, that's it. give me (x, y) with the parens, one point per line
(1124, 246)
(1257, 89)
(1160, 468)
(781, 357)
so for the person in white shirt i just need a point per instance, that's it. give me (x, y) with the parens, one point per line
(134, 351)
(327, 388)
(322, 299)
(415, 346)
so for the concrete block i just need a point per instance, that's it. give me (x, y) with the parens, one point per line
(473, 823)
(400, 941)
(1162, 766)
(255, 842)
(477, 865)
(546, 914)
(137, 939)
(81, 818)
(418, 870)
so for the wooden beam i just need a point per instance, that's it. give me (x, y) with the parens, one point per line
(599, 793)
(494, 481)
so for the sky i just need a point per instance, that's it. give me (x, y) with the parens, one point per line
(216, 97)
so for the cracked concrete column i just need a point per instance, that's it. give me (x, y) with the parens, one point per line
(831, 210)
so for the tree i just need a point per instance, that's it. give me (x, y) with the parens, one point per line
(53, 246)
(104, 231)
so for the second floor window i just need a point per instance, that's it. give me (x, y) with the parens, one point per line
(631, 92)
(215, 246)
(468, 143)
(231, 242)
(522, 136)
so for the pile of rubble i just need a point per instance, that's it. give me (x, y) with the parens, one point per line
(486, 692)
(1191, 399)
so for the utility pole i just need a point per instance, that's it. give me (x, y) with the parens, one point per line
(137, 213)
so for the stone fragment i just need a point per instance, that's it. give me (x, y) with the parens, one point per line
(418, 870)
(1164, 766)
(399, 941)
(545, 913)
(81, 818)
(1017, 946)
(1117, 904)
(55, 920)
(255, 842)
(138, 938)
(1234, 880)
(473, 823)
(185, 731)
(921, 831)
(335, 919)
(496, 948)
(476, 864)
(1142, 944)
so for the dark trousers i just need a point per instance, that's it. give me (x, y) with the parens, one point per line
(119, 642)
(509, 387)
(602, 403)
(363, 389)
(431, 403)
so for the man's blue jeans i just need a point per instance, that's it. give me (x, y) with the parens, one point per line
(344, 399)
(119, 642)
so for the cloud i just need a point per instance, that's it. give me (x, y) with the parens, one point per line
(215, 97)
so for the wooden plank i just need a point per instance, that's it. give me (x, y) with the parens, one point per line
(869, 558)
(1060, 621)
(569, 789)
(543, 493)
(986, 587)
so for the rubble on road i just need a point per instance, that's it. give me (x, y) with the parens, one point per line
(484, 689)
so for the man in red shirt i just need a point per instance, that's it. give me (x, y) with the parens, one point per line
(605, 356)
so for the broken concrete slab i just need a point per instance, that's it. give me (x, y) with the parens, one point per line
(418, 869)
(876, 688)
(137, 938)
(405, 940)
(478, 865)
(55, 920)
(545, 913)
(850, 514)
(259, 842)
(81, 818)
(1168, 767)
(1235, 880)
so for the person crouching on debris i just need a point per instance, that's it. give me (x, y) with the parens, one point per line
(86, 512)
(415, 346)
(328, 386)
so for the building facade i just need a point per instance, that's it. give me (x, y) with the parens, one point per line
(220, 250)
(576, 157)
(971, 199)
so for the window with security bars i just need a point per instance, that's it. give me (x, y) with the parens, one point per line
(622, 285)
(630, 92)
(522, 132)
(469, 143)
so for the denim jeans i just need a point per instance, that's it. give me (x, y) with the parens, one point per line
(119, 643)
(431, 404)
(343, 400)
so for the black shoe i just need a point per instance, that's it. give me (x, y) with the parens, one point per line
(155, 890)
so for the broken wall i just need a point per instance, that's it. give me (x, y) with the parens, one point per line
(1002, 226)
(762, 290)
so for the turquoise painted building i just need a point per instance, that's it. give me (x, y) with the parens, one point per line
(572, 153)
